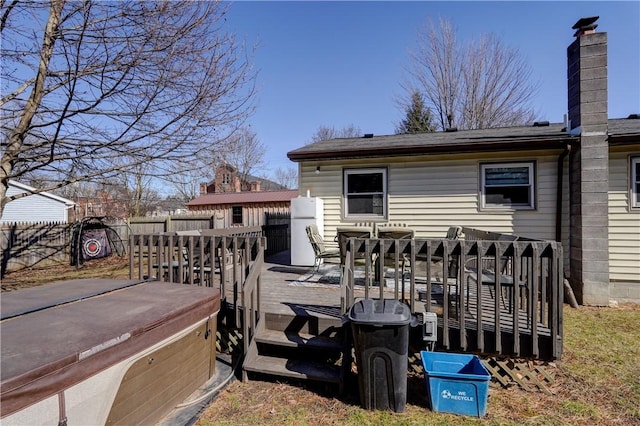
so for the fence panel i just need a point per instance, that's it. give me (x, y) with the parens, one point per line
(25, 245)
(277, 229)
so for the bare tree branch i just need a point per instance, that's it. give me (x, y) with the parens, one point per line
(287, 177)
(474, 86)
(325, 133)
(245, 152)
(110, 86)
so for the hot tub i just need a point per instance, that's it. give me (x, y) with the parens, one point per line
(102, 351)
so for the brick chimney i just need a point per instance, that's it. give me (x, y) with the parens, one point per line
(203, 188)
(589, 163)
(255, 186)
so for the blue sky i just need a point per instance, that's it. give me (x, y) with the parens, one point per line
(341, 63)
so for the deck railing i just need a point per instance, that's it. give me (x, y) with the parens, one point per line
(493, 293)
(230, 260)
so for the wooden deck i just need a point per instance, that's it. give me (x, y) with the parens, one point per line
(293, 320)
(286, 289)
(289, 291)
(296, 290)
(270, 294)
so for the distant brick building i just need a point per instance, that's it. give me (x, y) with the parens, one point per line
(102, 204)
(237, 201)
(228, 179)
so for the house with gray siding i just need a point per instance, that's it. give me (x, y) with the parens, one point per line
(34, 206)
(577, 182)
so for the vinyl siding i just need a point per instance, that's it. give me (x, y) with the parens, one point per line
(624, 221)
(33, 208)
(431, 193)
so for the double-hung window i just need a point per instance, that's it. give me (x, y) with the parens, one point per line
(365, 193)
(507, 186)
(635, 182)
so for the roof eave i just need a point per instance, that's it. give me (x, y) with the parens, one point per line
(391, 151)
(626, 139)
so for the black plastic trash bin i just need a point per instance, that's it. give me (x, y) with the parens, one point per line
(381, 340)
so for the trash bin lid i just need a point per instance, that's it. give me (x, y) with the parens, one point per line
(380, 312)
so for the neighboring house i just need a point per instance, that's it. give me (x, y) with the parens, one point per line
(228, 179)
(242, 208)
(235, 200)
(169, 206)
(579, 183)
(101, 205)
(35, 207)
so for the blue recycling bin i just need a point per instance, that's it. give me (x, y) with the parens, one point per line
(456, 383)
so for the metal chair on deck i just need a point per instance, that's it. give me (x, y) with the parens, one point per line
(489, 269)
(342, 236)
(450, 277)
(319, 249)
(396, 233)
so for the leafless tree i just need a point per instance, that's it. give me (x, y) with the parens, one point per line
(86, 82)
(186, 185)
(136, 187)
(325, 133)
(478, 85)
(244, 151)
(287, 177)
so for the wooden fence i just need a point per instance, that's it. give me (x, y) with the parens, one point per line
(25, 245)
(276, 227)
(277, 230)
(154, 225)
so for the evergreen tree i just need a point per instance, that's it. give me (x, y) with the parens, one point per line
(418, 117)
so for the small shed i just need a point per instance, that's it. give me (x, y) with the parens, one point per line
(246, 208)
(36, 206)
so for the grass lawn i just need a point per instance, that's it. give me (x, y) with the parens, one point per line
(597, 381)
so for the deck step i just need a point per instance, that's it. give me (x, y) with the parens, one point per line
(292, 339)
(294, 368)
(304, 323)
(299, 355)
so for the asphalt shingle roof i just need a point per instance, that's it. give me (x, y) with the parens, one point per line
(246, 197)
(485, 140)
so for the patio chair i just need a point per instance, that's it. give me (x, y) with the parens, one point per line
(224, 262)
(396, 233)
(488, 278)
(344, 233)
(169, 270)
(451, 279)
(319, 249)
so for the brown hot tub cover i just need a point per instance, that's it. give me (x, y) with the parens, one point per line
(57, 335)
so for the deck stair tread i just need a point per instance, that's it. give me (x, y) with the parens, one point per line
(297, 339)
(294, 368)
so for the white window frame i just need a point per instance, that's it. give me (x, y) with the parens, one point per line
(345, 194)
(531, 185)
(635, 183)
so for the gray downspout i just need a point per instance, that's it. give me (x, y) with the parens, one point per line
(559, 191)
(568, 291)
